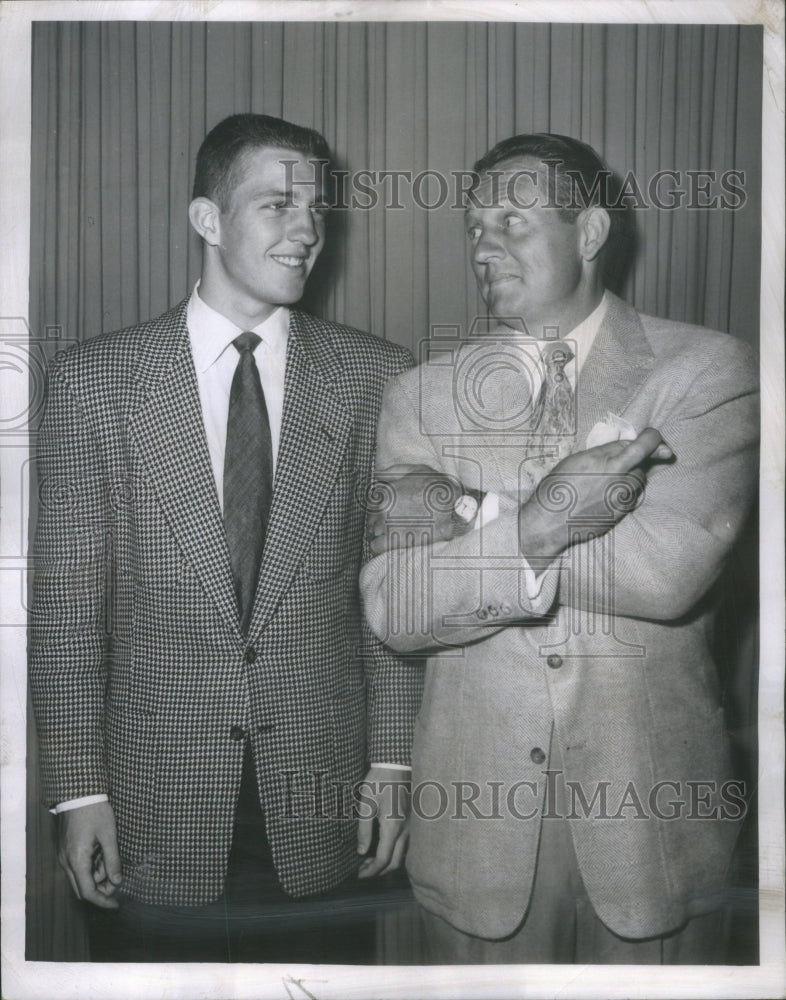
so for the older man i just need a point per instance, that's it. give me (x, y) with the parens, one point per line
(573, 793)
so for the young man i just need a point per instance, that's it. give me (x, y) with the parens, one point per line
(577, 800)
(201, 678)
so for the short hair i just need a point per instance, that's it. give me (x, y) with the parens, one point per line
(220, 158)
(579, 180)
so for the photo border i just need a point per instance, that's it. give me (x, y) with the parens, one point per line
(22, 979)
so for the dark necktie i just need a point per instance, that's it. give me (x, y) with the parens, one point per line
(248, 476)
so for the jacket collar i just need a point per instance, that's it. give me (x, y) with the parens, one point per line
(168, 432)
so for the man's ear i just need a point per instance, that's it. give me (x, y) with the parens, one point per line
(205, 217)
(594, 225)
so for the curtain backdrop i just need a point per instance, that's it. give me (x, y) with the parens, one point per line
(119, 110)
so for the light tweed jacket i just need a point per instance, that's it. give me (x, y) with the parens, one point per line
(139, 673)
(622, 670)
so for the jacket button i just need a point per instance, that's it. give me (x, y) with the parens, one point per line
(536, 755)
(483, 614)
(506, 609)
(251, 654)
(554, 661)
(237, 733)
(493, 611)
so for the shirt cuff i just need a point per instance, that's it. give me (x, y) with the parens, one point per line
(532, 583)
(489, 511)
(87, 800)
(392, 767)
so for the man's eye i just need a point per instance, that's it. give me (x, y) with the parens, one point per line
(473, 233)
(512, 220)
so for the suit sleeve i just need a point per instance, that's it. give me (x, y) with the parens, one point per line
(68, 631)
(446, 593)
(663, 557)
(395, 683)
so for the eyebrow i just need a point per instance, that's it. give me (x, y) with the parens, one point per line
(285, 195)
(270, 193)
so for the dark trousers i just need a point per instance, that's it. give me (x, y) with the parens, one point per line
(254, 920)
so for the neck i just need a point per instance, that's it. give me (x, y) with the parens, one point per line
(571, 312)
(242, 310)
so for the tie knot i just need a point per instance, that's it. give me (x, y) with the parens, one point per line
(557, 354)
(247, 341)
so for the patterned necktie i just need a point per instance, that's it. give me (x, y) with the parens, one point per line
(552, 427)
(248, 476)
(556, 402)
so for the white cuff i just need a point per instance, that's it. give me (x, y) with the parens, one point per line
(532, 583)
(392, 767)
(87, 800)
(489, 511)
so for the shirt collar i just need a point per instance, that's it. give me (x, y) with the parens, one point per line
(585, 333)
(210, 332)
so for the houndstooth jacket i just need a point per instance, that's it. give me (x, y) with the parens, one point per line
(143, 686)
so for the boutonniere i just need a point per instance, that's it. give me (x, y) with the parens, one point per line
(611, 428)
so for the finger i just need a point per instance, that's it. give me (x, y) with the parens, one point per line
(663, 451)
(388, 834)
(82, 869)
(371, 867)
(398, 852)
(110, 854)
(365, 833)
(379, 545)
(636, 451)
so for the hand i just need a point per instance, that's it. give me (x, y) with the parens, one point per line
(87, 852)
(423, 500)
(543, 531)
(390, 790)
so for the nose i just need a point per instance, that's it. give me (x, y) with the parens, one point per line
(487, 248)
(303, 227)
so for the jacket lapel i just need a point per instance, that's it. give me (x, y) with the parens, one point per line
(619, 362)
(314, 433)
(168, 430)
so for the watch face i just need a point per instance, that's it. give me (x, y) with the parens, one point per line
(465, 508)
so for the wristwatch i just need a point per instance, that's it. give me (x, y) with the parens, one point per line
(466, 507)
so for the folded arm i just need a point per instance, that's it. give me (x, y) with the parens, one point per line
(666, 554)
(656, 554)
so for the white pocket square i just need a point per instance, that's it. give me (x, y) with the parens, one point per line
(611, 428)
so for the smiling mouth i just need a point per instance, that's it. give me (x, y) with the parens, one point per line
(498, 278)
(287, 261)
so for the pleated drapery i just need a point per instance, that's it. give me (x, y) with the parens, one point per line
(120, 108)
